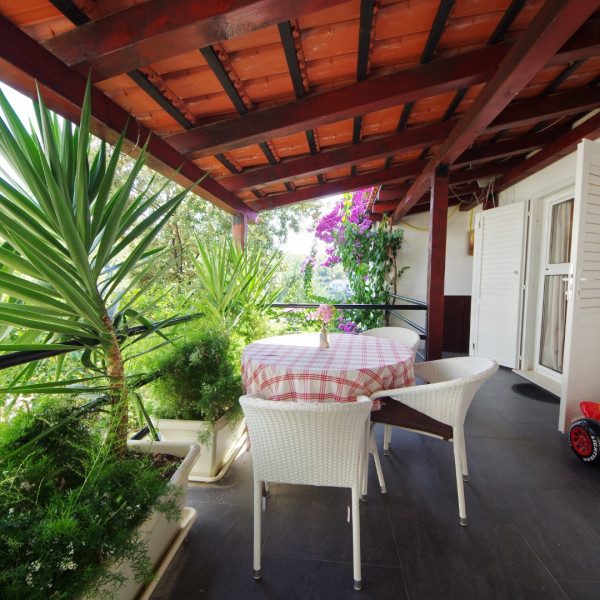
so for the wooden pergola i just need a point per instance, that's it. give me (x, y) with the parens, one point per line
(434, 102)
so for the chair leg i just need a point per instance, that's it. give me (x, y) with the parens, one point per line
(374, 451)
(356, 540)
(463, 458)
(258, 486)
(365, 462)
(462, 510)
(387, 438)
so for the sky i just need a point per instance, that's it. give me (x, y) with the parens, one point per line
(21, 104)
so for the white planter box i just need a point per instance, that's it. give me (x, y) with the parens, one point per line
(217, 454)
(162, 537)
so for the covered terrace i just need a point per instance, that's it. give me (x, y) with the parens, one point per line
(434, 103)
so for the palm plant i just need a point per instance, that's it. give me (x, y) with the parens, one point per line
(233, 282)
(73, 250)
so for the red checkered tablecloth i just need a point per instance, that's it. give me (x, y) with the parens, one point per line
(293, 367)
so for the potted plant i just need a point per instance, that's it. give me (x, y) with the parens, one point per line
(73, 253)
(196, 397)
(196, 394)
(70, 508)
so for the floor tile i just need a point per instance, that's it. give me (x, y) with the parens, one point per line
(533, 521)
(480, 561)
(319, 580)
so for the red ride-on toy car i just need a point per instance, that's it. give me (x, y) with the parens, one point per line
(584, 435)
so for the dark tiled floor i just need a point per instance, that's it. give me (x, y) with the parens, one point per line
(533, 530)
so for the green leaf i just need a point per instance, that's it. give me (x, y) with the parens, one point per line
(82, 172)
(36, 347)
(20, 288)
(34, 318)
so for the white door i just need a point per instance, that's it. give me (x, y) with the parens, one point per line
(498, 283)
(581, 368)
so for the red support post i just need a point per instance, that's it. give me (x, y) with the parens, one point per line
(437, 261)
(239, 229)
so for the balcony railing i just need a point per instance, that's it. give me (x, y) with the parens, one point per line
(13, 359)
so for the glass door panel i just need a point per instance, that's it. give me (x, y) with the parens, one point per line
(556, 270)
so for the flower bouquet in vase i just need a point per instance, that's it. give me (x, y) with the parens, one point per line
(324, 315)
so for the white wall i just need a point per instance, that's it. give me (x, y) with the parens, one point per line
(548, 181)
(415, 254)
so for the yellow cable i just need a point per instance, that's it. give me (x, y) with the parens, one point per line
(427, 228)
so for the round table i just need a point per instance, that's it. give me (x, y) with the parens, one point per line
(293, 367)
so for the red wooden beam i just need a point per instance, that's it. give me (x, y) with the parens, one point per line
(553, 25)
(438, 223)
(585, 43)
(370, 149)
(158, 29)
(30, 62)
(391, 197)
(383, 207)
(493, 169)
(377, 93)
(563, 145)
(527, 111)
(491, 151)
(534, 110)
(392, 193)
(342, 186)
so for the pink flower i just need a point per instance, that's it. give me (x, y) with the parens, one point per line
(326, 312)
(323, 313)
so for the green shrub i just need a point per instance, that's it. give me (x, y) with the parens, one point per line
(200, 378)
(69, 507)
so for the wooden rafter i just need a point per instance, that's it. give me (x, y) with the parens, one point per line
(375, 148)
(341, 157)
(146, 78)
(435, 77)
(377, 93)
(330, 188)
(526, 112)
(553, 25)
(31, 62)
(561, 146)
(493, 151)
(223, 72)
(140, 35)
(299, 79)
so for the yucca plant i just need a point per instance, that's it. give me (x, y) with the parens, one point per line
(73, 249)
(233, 281)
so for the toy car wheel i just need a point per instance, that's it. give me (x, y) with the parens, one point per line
(584, 440)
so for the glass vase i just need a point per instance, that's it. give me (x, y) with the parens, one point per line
(324, 337)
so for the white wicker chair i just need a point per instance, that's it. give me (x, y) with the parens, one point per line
(406, 337)
(402, 335)
(437, 408)
(320, 444)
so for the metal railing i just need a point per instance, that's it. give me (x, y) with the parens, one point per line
(13, 359)
(387, 309)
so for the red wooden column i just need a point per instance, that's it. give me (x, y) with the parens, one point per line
(437, 261)
(239, 229)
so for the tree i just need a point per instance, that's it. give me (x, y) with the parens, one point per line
(73, 249)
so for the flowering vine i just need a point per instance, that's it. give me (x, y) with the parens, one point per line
(367, 253)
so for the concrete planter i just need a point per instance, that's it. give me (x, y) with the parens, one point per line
(163, 537)
(217, 454)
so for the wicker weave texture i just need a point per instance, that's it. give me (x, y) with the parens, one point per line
(307, 443)
(402, 335)
(452, 384)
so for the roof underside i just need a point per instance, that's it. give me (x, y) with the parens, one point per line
(281, 101)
